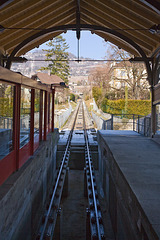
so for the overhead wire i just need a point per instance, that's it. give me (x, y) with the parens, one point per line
(39, 29)
(77, 60)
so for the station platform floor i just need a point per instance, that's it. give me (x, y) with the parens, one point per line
(138, 158)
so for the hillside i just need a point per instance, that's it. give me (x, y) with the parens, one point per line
(31, 67)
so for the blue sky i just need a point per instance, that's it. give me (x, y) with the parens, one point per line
(91, 45)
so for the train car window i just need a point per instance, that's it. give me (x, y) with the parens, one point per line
(36, 114)
(6, 119)
(25, 115)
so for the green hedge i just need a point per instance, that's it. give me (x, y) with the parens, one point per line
(139, 107)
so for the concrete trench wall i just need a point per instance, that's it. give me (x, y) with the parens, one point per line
(62, 117)
(98, 120)
(23, 195)
(128, 218)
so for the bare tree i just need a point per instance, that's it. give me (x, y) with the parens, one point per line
(118, 78)
(132, 75)
(99, 77)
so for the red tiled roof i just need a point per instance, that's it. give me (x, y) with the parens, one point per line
(48, 79)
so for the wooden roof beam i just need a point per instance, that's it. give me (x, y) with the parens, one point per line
(66, 20)
(18, 7)
(38, 42)
(155, 5)
(89, 21)
(83, 27)
(125, 22)
(117, 42)
(140, 10)
(54, 21)
(33, 14)
(97, 20)
(78, 20)
(4, 3)
(34, 22)
(119, 9)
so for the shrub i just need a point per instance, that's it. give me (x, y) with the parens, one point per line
(72, 97)
(139, 107)
(97, 94)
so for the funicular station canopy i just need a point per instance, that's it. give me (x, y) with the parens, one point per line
(133, 25)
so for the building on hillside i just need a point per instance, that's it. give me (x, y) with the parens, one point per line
(79, 80)
(79, 90)
(54, 80)
(132, 76)
(78, 85)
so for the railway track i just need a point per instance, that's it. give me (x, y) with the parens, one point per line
(50, 223)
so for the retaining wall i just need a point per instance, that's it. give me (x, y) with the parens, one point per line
(61, 117)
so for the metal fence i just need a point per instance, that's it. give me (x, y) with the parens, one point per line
(138, 123)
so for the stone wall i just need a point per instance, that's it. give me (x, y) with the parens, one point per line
(23, 195)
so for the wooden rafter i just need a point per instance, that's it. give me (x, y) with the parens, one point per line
(58, 20)
(136, 17)
(92, 20)
(123, 21)
(35, 22)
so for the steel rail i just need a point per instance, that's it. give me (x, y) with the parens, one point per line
(58, 178)
(92, 182)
